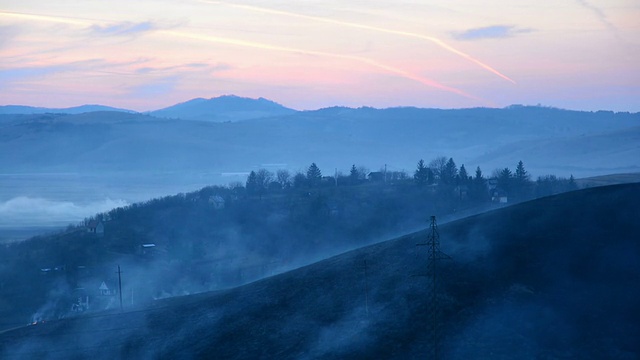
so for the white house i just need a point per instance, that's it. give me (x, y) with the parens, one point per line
(95, 227)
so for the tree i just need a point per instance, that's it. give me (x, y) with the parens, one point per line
(252, 183)
(314, 175)
(449, 173)
(521, 174)
(437, 166)
(421, 175)
(283, 178)
(354, 175)
(572, 185)
(504, 179)
(263, 178)
(479, 186)
(299, 180)
(521, 182)
(463, 176)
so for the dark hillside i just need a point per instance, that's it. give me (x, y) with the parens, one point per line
(551, 278)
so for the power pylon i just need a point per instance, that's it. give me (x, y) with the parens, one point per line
(434, 307)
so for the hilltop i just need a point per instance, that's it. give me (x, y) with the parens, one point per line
(554, 277)
(223, 109)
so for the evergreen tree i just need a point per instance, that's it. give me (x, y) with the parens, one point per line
(354, 175)
(421, 175)
(572, 185)
(314, 175)
(479, 186)
(521, 183)
(463, 176)
(521, 175)
(504, 179)
(252, 183)
(449, 173)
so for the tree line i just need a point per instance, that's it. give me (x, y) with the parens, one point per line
(441, 175)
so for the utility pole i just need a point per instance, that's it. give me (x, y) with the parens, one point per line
(366, 290)
(120, 286)
(434, 311)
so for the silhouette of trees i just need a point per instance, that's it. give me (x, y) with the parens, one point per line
(437, 166)
(357, 174)
(263, 178)
(299, 180)
(478, 191)
(283, 177)
(504, 178)
(314, 175)
(449, 172)
(521, 182)
(463, 177)
(423, 175)
(550, 185)
(252, 183)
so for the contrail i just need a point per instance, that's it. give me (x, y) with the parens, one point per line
(391, 69)
(255, 45)
(437, 41)
(601, 16)
(56, 19)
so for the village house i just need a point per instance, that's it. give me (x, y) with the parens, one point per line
(95, 227)
(217, 201)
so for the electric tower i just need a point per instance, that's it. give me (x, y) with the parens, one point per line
(434, 307)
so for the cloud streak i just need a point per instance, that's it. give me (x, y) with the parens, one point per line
(432, 39)
(490, 32)
(124, 28)
(387, 68)
(249, 44)
(601, 16)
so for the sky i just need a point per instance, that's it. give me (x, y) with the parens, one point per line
(149, 54)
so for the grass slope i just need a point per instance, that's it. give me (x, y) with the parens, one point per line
(551, 278)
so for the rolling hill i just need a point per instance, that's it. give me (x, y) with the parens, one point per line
(30, 110)
(223, 109)
(585, 144)
(551, 278)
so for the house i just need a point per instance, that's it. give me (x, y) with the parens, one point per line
(95, 227)
(217, 201)
(376, 176)
(462, 191)
(499, 196)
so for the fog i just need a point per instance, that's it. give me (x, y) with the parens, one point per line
(210, 261)
(28, 212)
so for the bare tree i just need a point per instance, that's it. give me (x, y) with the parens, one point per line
(437, 166)
(283, 178)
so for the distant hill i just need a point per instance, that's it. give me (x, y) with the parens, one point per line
(18, 109)
(551, 278)
(547, 140)
(609, 149)
(605, 180)
(223, 108)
